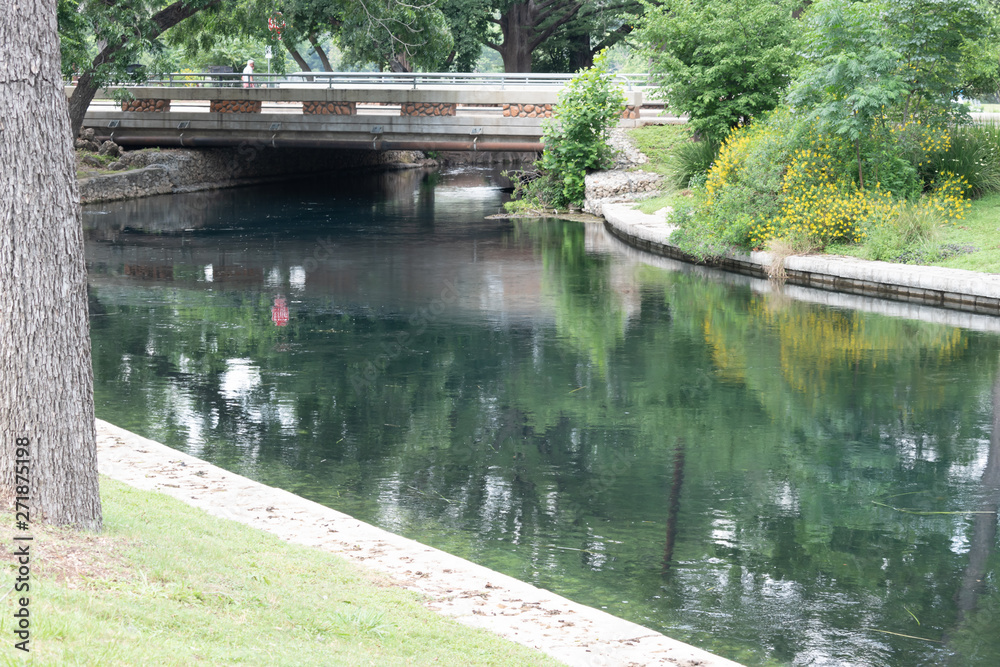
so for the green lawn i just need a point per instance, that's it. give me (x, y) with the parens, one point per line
(167, 584)
(656, 142)
(981, 230)
(973, 243)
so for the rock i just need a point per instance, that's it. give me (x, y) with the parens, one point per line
(110, 148)
(117, 165)
(86, 145)
(91, 161)
(87, 134)
(604, 187)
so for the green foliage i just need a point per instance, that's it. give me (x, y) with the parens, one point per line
(933, 38)
(973, 152)
(395, 33)
(74, 45)
(902, 237)
(866, 150)
(853, 73)
(576, 137)
(691, 160)
(866, 60)
(723, 62)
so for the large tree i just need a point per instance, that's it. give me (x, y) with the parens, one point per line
(125, 29)
(514, 28)
(723, 62)
(48, 451)
(599, 25)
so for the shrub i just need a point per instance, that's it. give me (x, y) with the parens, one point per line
(783, 178)
(973, 153)
(576, 137)
(722, 62)
(691, 160)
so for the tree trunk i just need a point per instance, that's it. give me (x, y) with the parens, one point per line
(861, 175)
(516, 26)
(327, 67)
(581, 55)
(399, 63)
(299, 60)
(521, 26)
(88, 86)
(47, 393)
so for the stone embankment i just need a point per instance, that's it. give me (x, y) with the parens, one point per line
(625, 182)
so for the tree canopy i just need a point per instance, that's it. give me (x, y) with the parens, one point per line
(722, 62)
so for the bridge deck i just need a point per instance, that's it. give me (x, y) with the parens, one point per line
(379, 117)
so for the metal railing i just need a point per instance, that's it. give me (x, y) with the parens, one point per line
(412, 80)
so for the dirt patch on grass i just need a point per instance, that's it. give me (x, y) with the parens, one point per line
(71, 557)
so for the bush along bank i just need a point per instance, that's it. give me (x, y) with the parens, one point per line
(783, 180)
(576, 141)
(870, 149)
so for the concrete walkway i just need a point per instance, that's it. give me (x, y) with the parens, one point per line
(469, 593)
(956, 289)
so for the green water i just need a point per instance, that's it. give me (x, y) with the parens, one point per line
(722, 464)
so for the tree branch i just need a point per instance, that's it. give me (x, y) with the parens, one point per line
(545, 34)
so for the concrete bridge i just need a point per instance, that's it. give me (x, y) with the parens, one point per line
(453, 112)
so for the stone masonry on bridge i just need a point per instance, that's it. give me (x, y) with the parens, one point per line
(329, 108)
(427, 109)
(440, 117)
(148, 104)
(235, 106)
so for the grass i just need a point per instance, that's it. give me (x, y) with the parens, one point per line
(657, 143)
(86, 171)
(972, 244)
(654, 204)
(167, 584)
(979, 230)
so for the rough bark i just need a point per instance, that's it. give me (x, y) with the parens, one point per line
(525, 25)
(46, 394)
(88, 85)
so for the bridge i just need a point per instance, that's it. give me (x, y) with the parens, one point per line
(378, 111)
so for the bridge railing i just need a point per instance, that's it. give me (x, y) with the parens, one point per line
(412, 80)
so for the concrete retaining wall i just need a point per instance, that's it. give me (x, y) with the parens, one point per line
(957, 289)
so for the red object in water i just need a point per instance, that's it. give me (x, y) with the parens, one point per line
(279, 311)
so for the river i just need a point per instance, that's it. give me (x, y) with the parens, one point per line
(779, 481)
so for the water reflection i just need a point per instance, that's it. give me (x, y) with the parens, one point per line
(774, 480)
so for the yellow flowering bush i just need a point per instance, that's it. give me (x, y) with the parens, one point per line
(782, 178)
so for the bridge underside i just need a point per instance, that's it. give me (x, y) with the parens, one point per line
(373, 132)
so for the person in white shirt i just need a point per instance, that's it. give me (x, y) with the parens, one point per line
(248, 75)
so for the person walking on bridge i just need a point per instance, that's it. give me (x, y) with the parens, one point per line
(248, 74)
